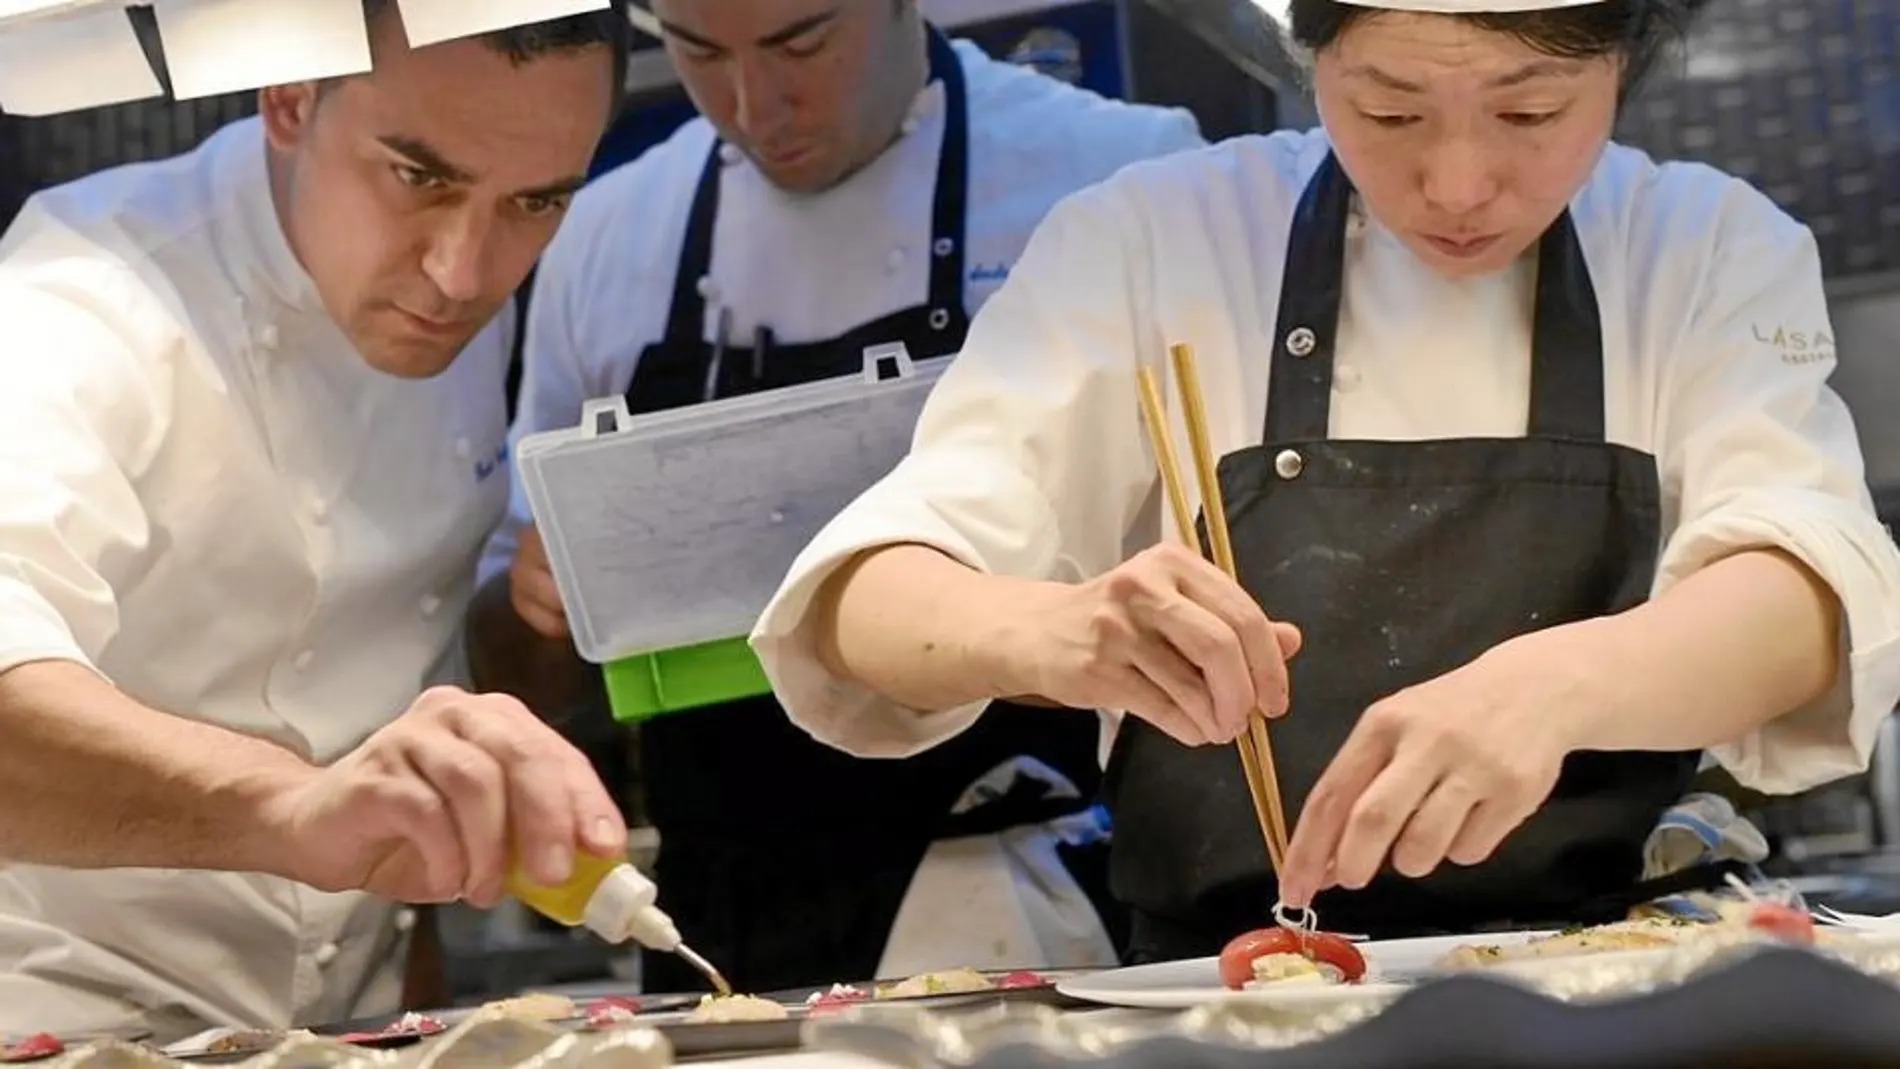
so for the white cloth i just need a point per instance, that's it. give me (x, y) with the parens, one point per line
(209, 497)
(814, 267)
(1030, 457)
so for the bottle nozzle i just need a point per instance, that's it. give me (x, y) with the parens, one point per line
(692, 957)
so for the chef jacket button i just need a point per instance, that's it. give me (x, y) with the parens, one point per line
(895, 260)
(267, 336)
(729, 153)
(1346, 378)
(1288, 464)
(464, 449)
(319, 512)
(405, 920)
(1301, 342)
(943, 247)
(910, 125)
(939, 319)
(303, 660)
(431, 605)
(326, 954)
(708, 289)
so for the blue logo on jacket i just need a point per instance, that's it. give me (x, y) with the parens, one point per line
(990, 273)
(485, 469)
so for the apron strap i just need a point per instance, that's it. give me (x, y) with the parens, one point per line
(1567, 391)
(949, 213)
(686, 320)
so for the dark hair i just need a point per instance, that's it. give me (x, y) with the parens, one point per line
(1637, 30)
(570, 33)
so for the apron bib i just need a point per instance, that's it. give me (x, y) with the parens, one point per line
(782, 859)
(1435, 552)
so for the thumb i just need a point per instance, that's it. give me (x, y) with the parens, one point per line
(1290, 639)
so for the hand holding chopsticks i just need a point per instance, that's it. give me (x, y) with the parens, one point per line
(1256, 753)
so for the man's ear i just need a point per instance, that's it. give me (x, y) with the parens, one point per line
(288, 112)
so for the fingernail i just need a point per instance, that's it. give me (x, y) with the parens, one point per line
(600, 834)
(557, 863)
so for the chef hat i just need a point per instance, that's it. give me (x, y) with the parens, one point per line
(1469, 7)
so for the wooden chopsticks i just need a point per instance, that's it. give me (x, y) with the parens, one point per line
(1256, 751)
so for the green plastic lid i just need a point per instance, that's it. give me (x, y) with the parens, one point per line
(690, 677)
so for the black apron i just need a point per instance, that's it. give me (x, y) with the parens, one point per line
(782, 859)
(1401, 561)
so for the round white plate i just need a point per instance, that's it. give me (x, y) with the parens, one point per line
(1392, 967)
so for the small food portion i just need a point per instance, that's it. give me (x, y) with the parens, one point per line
(408, 1026)
(31, 1048)
(1023, 979)
(1270, 957)
(840, 996)
(612, 1011)
(245, 1042)
(534, 1006)
(732, 1009)
(948, 982)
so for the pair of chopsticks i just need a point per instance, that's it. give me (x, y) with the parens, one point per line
(1256, 751)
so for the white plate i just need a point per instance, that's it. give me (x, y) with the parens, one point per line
(1392, 967)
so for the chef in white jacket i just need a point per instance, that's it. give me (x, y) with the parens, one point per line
(857, 179)
(252, 438)
(1535, 482)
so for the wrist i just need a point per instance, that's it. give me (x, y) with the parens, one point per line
(268, 792)
(1576, 676)
(1004, 656)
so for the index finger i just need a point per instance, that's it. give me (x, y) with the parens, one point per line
(1329, 806)
(541, 809)
(1266, 659)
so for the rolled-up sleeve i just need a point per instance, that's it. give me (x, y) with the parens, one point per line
(1758, 452)
(1028, 460)
(80, 414)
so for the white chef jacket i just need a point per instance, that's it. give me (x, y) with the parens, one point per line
(814, 267)
(206, 495)
(1031, 460)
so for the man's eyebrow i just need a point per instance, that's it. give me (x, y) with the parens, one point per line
(771, 40)
(1542, 68)
(418, 152)
(566, 187)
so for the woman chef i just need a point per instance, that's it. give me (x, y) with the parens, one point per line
(1514, 447)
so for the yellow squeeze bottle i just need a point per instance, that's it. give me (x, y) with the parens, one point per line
(615, 901)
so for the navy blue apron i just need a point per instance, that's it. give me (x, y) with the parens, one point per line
(1437, 552)
(782, 859)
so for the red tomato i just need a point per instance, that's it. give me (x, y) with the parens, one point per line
(33, 1048)
(1237, 958)
(1322, 948)
(1785, 923)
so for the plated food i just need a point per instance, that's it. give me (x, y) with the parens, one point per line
(31, 1048)
(1738, 922)
(1293, 951)
(732, 1009)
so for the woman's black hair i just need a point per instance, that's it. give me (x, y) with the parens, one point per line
(1637, 30)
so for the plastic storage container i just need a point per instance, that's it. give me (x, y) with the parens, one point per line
(669, 532)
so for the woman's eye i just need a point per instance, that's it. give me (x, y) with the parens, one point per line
(1530, 118)
(1390, 121)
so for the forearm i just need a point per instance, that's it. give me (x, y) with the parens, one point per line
(1740, 643)
(920, 628)
(507, 656)
(90, 778)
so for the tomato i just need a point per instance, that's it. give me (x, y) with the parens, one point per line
(1786, 923)
(1321, 948)
(32, 1048)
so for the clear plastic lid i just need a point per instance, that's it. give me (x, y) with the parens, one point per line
(673, 529)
